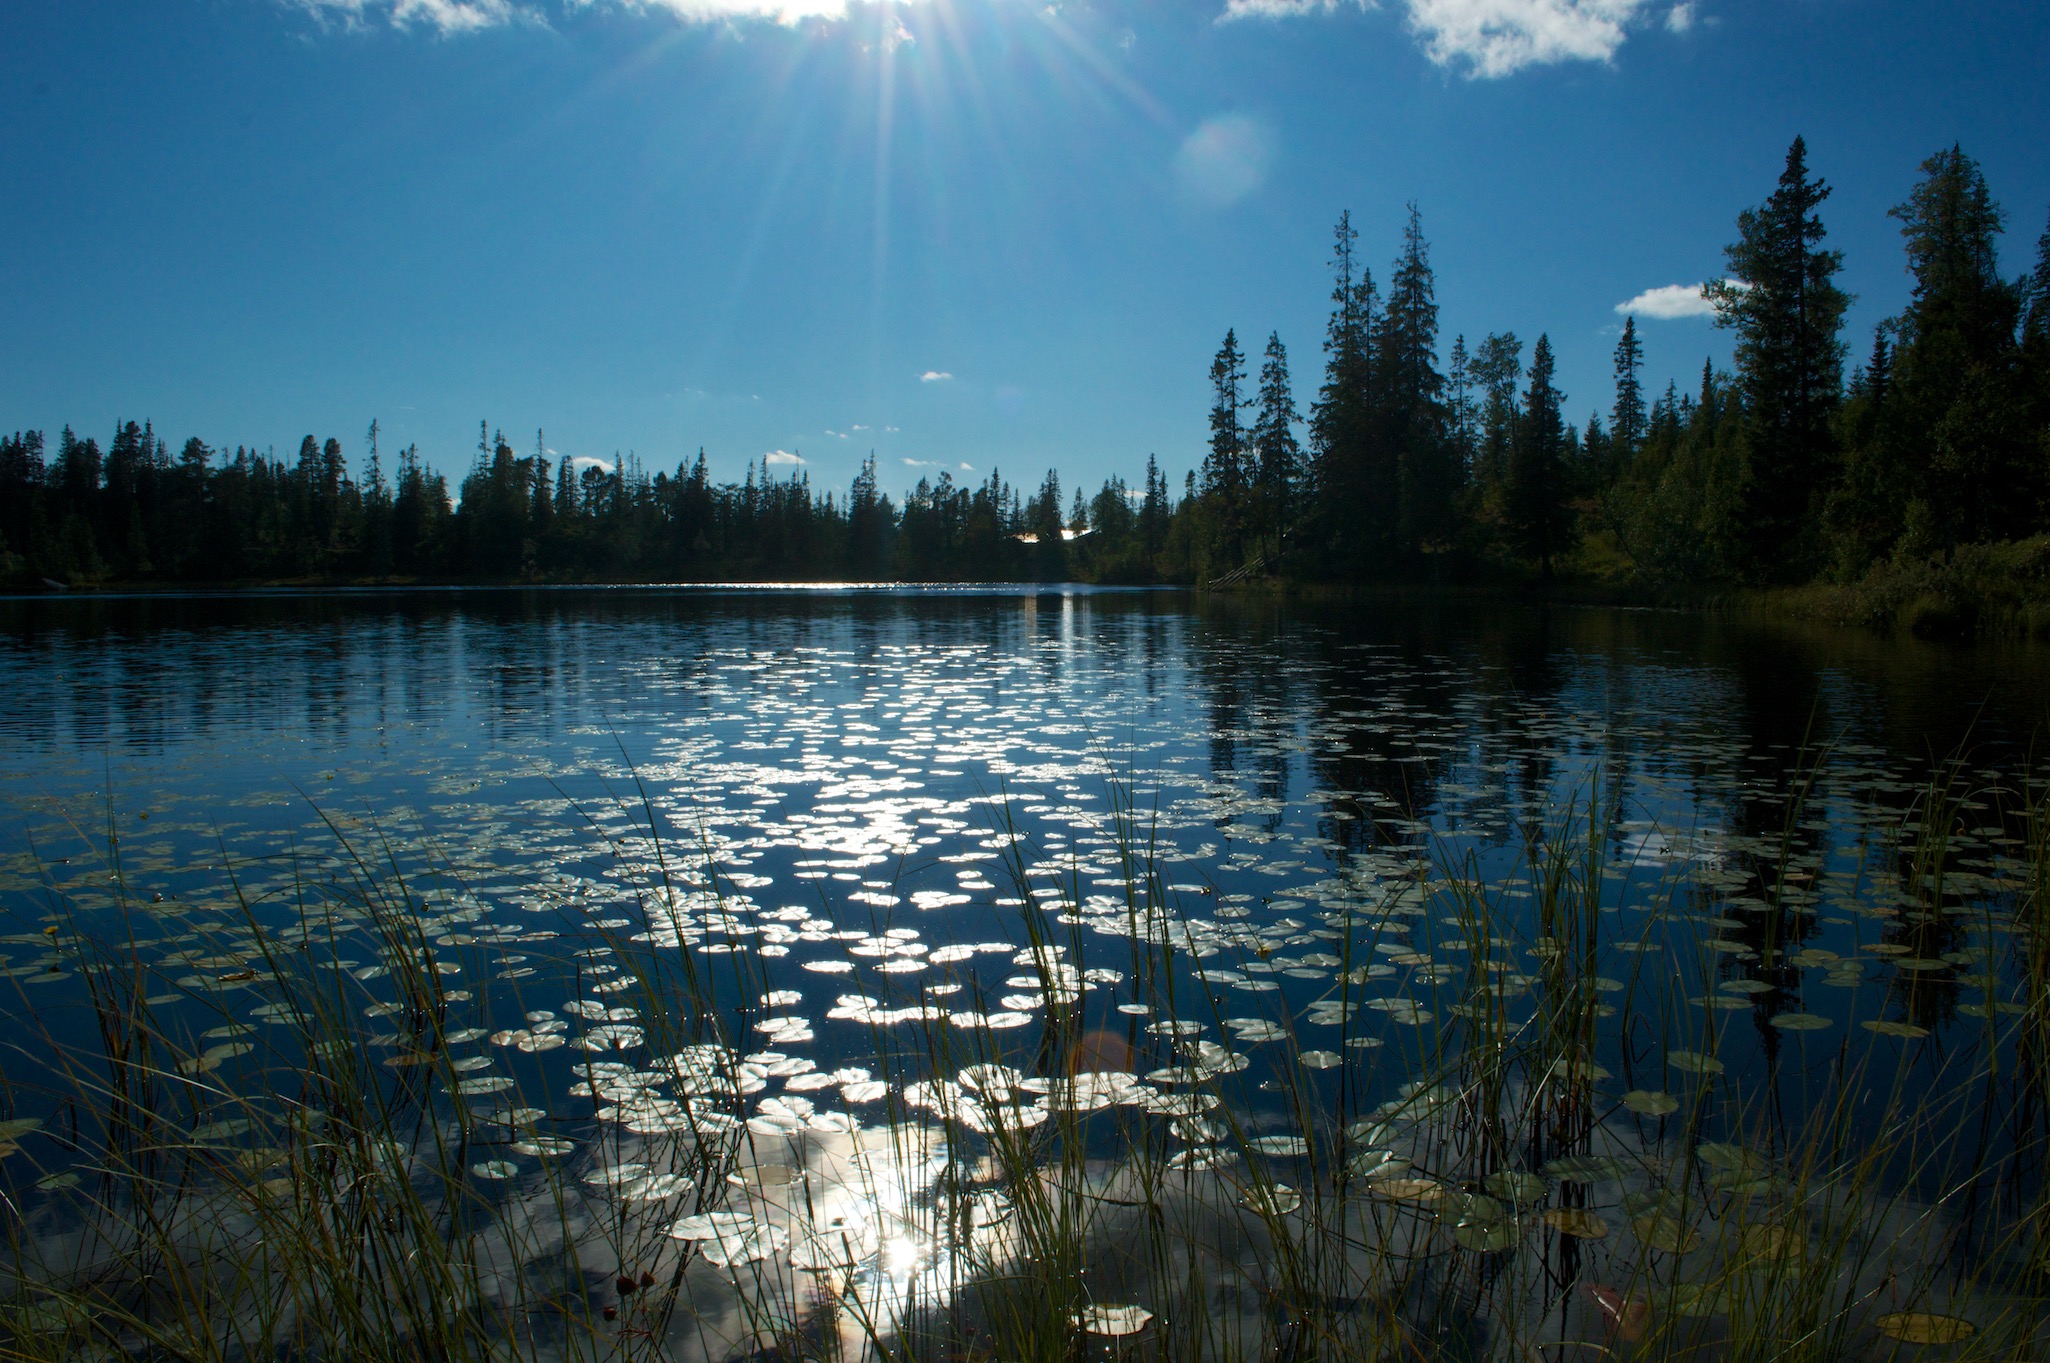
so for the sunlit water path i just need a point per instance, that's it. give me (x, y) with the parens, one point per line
(925, 872)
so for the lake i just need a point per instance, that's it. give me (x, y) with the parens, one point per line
(1271, 975)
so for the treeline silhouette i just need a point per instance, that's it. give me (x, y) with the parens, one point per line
(1406, 469)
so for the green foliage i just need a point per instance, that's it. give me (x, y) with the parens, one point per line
(1538, 477)
(1782, 471)
(1786, 311)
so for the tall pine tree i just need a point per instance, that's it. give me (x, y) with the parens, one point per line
(1277, 458)
(1224, 467)
(1626, 418)
(1781, 299)
(1957, 407)
(1414, 444)
(1354, 506)
(1538, 514)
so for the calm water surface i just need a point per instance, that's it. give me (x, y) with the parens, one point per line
(907, 809)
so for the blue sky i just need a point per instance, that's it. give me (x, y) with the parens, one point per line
(966, 233)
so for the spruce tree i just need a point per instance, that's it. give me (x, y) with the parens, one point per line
(1958, 420)
(1537, 492)
(1224, 467)
(1781, 300)
(1277, 457)
(2036, 327)
(1460, 413)
(1353, 506)
(1497, 367)
(1413, 446)
(1626, 419)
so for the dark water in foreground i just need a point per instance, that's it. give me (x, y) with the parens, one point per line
(882, 800)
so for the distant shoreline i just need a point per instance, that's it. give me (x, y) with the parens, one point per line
(1985, 592)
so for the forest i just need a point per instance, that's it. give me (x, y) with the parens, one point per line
(1799, 466)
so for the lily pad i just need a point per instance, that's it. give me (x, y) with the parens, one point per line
(1694, 1062)
(1577, 1222)
(1772, 1240)
(1479, 1223)
(1665, 1232)
(1407, 1189)
(1114, 1321)
(1278, 1200)
(1650, 1103)
(1723, 1155)
(1486, 1237)
(1586, 1168)
(1799, 1022)
(1516, 1185)
(1888, 1027)
(1920, 1327)
(1696, 1300)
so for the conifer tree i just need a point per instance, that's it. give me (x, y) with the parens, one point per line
(1353, 506)
(1497, 367)
(1224, 467)
(1781, 299)
(2036, 326)
(1277, 457)
(1413, 443)
(1460, 414)
(1537, 493)
(1958, 429)
(1626, 419)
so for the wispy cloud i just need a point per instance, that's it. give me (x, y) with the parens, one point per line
(469, 16)
(1492, 38)
(782, 457)
(1277, 9)
(443, 16)
(1667, 302)
(731, 11)
(934, 376)
(1680, 17)
(1224, 159)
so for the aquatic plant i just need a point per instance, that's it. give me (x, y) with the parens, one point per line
(355, 1105)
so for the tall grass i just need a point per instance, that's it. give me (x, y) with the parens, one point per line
(1105, 1183)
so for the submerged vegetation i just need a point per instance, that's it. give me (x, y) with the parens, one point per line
(1908, 478)
(373, 1100)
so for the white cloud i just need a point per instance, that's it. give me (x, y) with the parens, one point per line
(1223, 160)
(584, 461)
(1497, 37)
(1275, 9)
(934, 376)
(729, 11)
(456, 16)
(1680, 17)
(468, 16)
(1491, 38)
(1667, 302)
(443, 16)
(782, 457)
